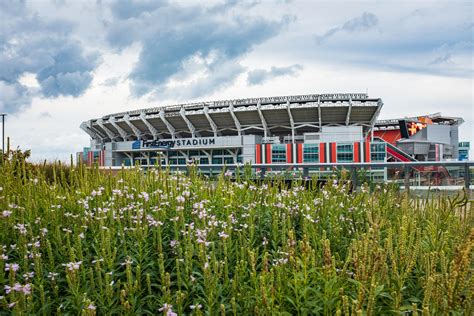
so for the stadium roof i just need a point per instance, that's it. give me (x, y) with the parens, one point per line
(268, 116)
(436, 118)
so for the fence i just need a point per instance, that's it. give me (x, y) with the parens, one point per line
(453, 174)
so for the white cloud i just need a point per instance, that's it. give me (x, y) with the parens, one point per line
(416, 56)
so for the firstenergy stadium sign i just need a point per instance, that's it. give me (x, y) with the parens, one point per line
(182, 143)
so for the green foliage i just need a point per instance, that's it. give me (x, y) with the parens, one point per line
(77, 240)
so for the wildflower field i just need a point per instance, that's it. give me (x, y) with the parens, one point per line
(79, 241)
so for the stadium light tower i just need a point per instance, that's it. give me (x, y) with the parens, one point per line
(3, 131)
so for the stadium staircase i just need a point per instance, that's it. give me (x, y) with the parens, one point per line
(400, 155)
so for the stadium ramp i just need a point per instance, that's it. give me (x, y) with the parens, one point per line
(400, 155)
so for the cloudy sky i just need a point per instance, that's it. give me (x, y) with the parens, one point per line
(66, 61)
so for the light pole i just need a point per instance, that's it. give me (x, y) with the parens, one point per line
(3, 131)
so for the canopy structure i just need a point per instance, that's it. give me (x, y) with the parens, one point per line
(435, 118)
(267, 116)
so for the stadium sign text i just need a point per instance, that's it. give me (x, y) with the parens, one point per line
(178, 143)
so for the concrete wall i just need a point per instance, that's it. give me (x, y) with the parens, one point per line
(455, 141)
(341, 134)
(440, 134)
(248, 147)
(245, 142)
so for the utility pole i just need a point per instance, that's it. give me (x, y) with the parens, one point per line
(3, 132)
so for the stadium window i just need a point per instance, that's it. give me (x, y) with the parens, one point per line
(228, 160)
(311, 153)
(345, 153)
(377, 152)
(216, 160)
(278, 153)
(204, 161)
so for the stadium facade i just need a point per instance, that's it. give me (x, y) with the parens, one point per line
(314, 128)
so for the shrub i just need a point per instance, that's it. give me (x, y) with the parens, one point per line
(75, 240)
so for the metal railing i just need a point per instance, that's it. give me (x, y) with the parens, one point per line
(455, 173)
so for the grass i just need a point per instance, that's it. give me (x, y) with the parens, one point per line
(78, 241)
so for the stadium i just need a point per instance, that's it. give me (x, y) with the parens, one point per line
(313, 128)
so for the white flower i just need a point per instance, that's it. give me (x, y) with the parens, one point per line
(72, 266)
(52, 275)
(28, 275)
(127, 261)
(223, 235)
(21, 228)
(198, 306)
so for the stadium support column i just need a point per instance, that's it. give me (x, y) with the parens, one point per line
(264, 123)
(236, 120)
(349, 109)
(374, 119)
(319, 114)
(292, 124)
(87, 127)
(170, 127)
(151, 128)
(121, 131)
(109, 133)
(135, 130)
(209, 119)
(190, 125)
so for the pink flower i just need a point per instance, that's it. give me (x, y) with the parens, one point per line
(12, 266)
(27, 289)
(166, 308)
(91, 307)
(6, 213)
(17, 287)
